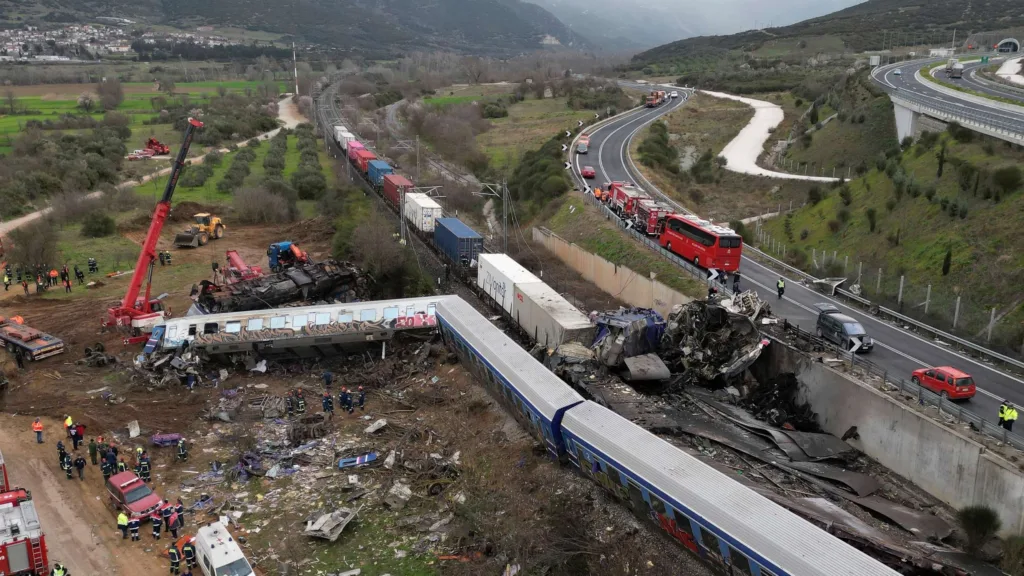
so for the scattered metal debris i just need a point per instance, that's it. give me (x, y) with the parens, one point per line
(707, 345)
(329, 525)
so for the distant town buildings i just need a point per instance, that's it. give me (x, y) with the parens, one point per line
(85, 40)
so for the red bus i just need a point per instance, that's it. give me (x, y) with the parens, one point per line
(702, 242)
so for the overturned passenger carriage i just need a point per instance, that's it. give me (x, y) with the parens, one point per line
(325, 280)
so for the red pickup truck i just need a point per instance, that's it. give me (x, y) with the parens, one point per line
(130, 494)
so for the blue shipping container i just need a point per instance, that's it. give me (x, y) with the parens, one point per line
(377, 170)
(458, 242)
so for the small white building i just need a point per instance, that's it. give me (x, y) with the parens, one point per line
(940, 52)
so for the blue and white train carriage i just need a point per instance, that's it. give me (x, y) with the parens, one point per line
(528, 390)
(734, 529)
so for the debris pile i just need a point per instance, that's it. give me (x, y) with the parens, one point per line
(329, 279)
(707, 345)
(775, 402)
(96, 357)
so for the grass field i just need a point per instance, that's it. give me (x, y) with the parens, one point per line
(576, 221)
(529, 124)
(141, 89)
(912, 235)
(807, 45)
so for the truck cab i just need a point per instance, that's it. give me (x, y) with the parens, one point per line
(219, 554)
(128, 493)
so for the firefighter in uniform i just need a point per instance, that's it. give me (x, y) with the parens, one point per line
(105, 468)
(133, 526)
(155, 520)
(144, 467)
(300, 402)
(179, 507)
(122, 525)
(121, 465)
(166, 515)
(362, 398)
(61, 452)
(59, 570)
(344, 399)
(66, 465)
(188, 550)
(175, 557)
(289, 403)
(182, 450)
(328, 403)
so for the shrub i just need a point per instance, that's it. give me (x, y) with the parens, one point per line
(98, 225)
(907, 142)
(890, 204)
(310, 184)
(963, 211)
(804, 234)
(1007, 178)
(1013, 555)
(814, 195)
(947, 261)
(980, 524)
(881, 161)
(214, 158)
(254, 143)
(834, 226)
(929, 192)
(846, 195)
(258, 206)
(844, 215)
(872, 215)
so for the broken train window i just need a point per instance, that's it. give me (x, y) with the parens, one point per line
(740, 563)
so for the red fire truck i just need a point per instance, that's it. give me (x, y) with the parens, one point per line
(650, 216)
(22, 542)
(624, 198)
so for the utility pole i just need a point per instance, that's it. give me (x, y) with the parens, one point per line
(295, 69)
(953, 46)
(499, 191)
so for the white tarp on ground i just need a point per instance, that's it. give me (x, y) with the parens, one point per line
(746, 147)
(1011, 71)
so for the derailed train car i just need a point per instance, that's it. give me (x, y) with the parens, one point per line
(729, 526)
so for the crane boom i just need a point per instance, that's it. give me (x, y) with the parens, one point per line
(132, 307)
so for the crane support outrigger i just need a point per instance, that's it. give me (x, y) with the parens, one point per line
(140, 314)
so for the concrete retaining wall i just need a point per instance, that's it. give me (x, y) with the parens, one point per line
(618, 281)
(948, 465)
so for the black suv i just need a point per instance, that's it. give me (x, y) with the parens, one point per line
(841, 329)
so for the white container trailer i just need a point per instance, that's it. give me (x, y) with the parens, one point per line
(339, 129)
(550, 319)
(498, 275)
(421, 211)
(344, 138)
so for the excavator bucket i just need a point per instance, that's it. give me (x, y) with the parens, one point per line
(192, 238)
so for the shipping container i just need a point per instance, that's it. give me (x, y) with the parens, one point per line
(421, 211)
(353, 147)
(460, 243)
(363, 158)
(339, 129)
(394, 184)
(377, 170)
(497, 275)
(548, 318)
(344, 138)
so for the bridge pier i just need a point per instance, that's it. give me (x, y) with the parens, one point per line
(906, 121)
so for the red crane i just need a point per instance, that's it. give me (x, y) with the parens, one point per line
(143, 313)
(238, 270)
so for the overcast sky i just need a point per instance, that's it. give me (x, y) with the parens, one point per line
(729, 16)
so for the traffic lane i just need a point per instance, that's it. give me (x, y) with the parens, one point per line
(908, 81)
(612, 139)
(906, 351)
(987, 86)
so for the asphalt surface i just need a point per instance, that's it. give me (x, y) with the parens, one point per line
(908, 83)
(896, 350)
(973, 80)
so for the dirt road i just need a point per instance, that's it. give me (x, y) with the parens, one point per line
(80, 529)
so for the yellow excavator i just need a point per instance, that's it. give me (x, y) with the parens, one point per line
(206, 227)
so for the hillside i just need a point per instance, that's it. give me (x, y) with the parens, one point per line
(858, 28)
(380, 28)
(905, 215)
(623, 28)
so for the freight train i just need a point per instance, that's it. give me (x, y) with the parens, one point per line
(728, 525)
(539, 311)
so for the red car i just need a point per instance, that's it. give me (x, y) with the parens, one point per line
(130, 494)
(588, 172)
(946, 381)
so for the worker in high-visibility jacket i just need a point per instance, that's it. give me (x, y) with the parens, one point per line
(37, 427)
(1009, 417)
(175, 557)
(1002, 413)
(59, 570)
(122, 524)
(781, 286)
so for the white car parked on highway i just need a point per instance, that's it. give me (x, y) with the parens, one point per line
(674, 95)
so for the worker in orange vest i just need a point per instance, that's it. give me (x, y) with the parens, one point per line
(53, 276)
(37, 427)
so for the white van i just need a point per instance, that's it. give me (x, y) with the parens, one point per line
(219, 554)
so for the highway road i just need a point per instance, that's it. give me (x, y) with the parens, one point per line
(907, 82)
(896, 350)
(973, 80)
